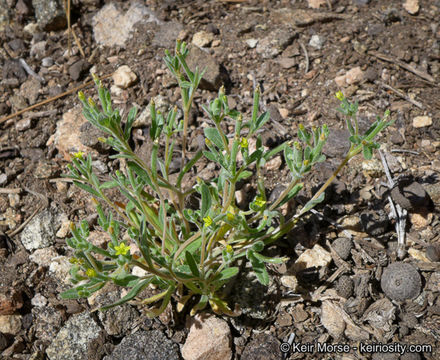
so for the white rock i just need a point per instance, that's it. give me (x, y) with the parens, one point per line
(124, 77)
(60, 268)
(43, 257)
(274, 164)
(209, 338)
(341, 80)
(354, 75)
(39, 300)
(315, 4)
(10, 324)
(202, 38)
(31, 28)
(314, 257)
(372, 168)
(289, 281)
(67, 135)
(112, 27)
(412, 6)
(252, 43)
(284, 113)
(64, 228)
(317, 41)
(422, 121)
(40, 232)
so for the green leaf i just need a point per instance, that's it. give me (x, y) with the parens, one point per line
(123, 278)
(355, 139)
(244, 175)
(258, 246)
(215, 137)
(206, 200)
(136, 289)
(192, 263)
(256, 155)
(200, 305)
(228, 273)
(262, 119)
(270, 260)
(188, 166)
(292, 193)
(258, 267)
(367, 151)
(108, 184)
(130, 120)
(87, 188)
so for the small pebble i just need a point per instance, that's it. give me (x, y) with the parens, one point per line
(47, 62)
(124, 77)
(433, 252)
(422, 121)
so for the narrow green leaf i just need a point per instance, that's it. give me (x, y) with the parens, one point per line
(136, 289)
(206, 199)
(270, 260)
(215, 137)
(192, 264)
(367, 152)
(228, 273)
(87, 188)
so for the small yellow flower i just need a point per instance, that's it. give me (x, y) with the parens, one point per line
(91, 272)
(230, 216)
(207, 220)
(306, 162)
(208, 142)
(229, 249)
(301, 127)
(91, 102)
(339, 95)
(122, 249)
(78, 155)
(259, 201)
(244, 143)
(81, 96)
(322, 137)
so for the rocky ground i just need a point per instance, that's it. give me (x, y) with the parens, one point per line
(345, 284)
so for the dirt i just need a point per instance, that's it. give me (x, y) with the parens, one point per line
(399, 55)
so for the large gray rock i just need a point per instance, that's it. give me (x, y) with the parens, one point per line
(213, 77)
(209, 339)
(75, 338)
(145, 345)
(112, 27)
(50, 14)
(40, 232)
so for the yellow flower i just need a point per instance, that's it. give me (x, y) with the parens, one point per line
(244, 143)
(229, 249)
(339, 95)
(306, 162)
(78, 155)
(81, 96)
(230, 216)
(259, 201)
(207, 220)
(91, 272)
(122, 249)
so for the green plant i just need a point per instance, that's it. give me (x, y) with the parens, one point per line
(184, 251)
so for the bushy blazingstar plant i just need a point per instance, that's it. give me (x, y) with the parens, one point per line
(182, 251)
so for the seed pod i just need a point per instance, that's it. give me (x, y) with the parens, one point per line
(401, 281)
